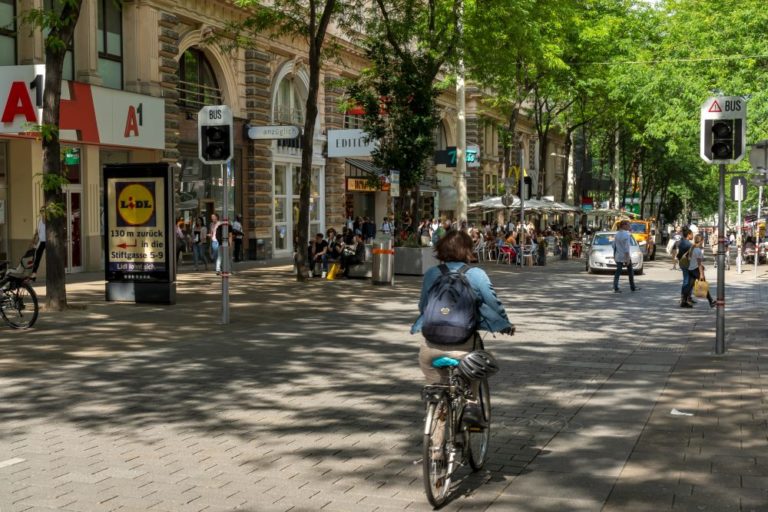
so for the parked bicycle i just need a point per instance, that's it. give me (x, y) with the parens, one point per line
(18, 300)
(454, 433)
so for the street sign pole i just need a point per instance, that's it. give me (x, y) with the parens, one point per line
(738, 238)
(225, 267)
(720, 319)
(757, 225)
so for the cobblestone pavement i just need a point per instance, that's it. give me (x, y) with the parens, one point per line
(309, 399)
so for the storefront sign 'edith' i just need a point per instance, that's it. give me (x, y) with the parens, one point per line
(88, 114)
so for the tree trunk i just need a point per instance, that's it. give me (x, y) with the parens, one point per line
(55, 208)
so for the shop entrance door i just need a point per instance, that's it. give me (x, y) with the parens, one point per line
(74, 201)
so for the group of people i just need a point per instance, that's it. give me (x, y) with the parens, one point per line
(205, 240)
(346, 248)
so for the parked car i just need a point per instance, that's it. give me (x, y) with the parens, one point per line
(600, 253)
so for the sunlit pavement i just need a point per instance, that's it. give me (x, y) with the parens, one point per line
(309, 399)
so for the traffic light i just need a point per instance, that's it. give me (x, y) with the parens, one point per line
(723, 140)
(215, 143)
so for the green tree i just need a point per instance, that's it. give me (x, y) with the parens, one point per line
(59, 24)
(408, 43)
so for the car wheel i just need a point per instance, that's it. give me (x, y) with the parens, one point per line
(639, 272)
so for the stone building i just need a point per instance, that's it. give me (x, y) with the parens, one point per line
(137, 74)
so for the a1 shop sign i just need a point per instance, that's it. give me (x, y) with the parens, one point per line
(88, 114)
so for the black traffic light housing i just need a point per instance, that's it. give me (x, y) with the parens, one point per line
(526, 193)
(215, 143)
(723, 140)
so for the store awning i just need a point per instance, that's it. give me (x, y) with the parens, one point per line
(362, 168)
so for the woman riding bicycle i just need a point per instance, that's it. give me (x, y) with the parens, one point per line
(455, 250)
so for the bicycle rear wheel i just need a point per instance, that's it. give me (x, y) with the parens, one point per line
(19, 306)
(479, 438)
(437, 481)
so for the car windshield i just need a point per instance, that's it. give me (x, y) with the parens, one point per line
(637, 227)
(603, 240)
(607, 239)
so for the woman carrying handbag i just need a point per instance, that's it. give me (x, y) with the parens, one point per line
(696, 271)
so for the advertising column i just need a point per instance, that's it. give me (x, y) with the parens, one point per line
(139, 234)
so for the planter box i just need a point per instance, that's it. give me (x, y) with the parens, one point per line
(414, 261)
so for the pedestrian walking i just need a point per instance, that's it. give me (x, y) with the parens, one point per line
(622, 257)
(696, 267)
(212, 233)
(237, 233)
(40, 244)
(199, 244)
(683, 256)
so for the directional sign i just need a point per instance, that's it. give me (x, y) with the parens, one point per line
(723, 130)
(273, 132)
(738, 188)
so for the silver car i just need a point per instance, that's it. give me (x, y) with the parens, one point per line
(600, 253)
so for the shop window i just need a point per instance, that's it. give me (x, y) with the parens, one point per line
(109, 41)
(7, 32)
(353, 121)
(197, 85)
(68, 71)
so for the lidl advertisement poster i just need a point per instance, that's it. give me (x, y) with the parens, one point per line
(136, 227)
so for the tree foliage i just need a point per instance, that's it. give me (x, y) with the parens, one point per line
(408, 44)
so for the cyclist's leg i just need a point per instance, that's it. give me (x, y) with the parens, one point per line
(430, 351)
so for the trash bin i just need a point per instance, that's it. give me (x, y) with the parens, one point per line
(383, 271)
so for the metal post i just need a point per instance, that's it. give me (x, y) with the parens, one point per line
(757, 225)
(720, 319)
(521, 238)
(738, 240)
(224, 242)
(461, 128)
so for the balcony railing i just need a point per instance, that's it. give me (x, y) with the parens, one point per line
(195, 96)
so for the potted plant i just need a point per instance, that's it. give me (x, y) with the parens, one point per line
(411, 258)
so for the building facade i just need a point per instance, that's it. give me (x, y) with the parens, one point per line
(149, 67)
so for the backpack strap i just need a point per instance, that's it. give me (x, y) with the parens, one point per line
(444, 269)
(464, 269)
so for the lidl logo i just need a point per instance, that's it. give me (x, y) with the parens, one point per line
(135, 204)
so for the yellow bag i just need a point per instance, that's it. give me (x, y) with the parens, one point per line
(700, 288)
(333, 270)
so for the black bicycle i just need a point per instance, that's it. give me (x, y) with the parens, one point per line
(457, 425)
(18, 300)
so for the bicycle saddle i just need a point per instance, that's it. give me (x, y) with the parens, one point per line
(444, 362)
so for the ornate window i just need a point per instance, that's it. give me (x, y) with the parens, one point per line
(289, 103)
(7, 32)
(197, 82)
(109, 41)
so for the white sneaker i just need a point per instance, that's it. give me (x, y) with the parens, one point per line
(322, 276)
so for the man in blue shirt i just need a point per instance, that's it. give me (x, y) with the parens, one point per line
(621, 256)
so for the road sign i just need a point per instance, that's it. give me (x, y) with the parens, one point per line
(758, 156)
(723, 129)
(738, 188)
(273, 132)
(215, 143)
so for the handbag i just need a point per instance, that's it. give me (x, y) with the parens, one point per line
(685, 260)
(700, 288)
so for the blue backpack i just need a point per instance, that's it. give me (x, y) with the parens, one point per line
(450, 316)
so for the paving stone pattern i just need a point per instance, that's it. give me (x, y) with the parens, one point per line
(309, 399)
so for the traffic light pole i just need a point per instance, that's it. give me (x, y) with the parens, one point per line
(225, 267)
(720, 320)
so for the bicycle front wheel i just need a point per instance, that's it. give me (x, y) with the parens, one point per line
(19, 306)
(479, 437)
(437, 480)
